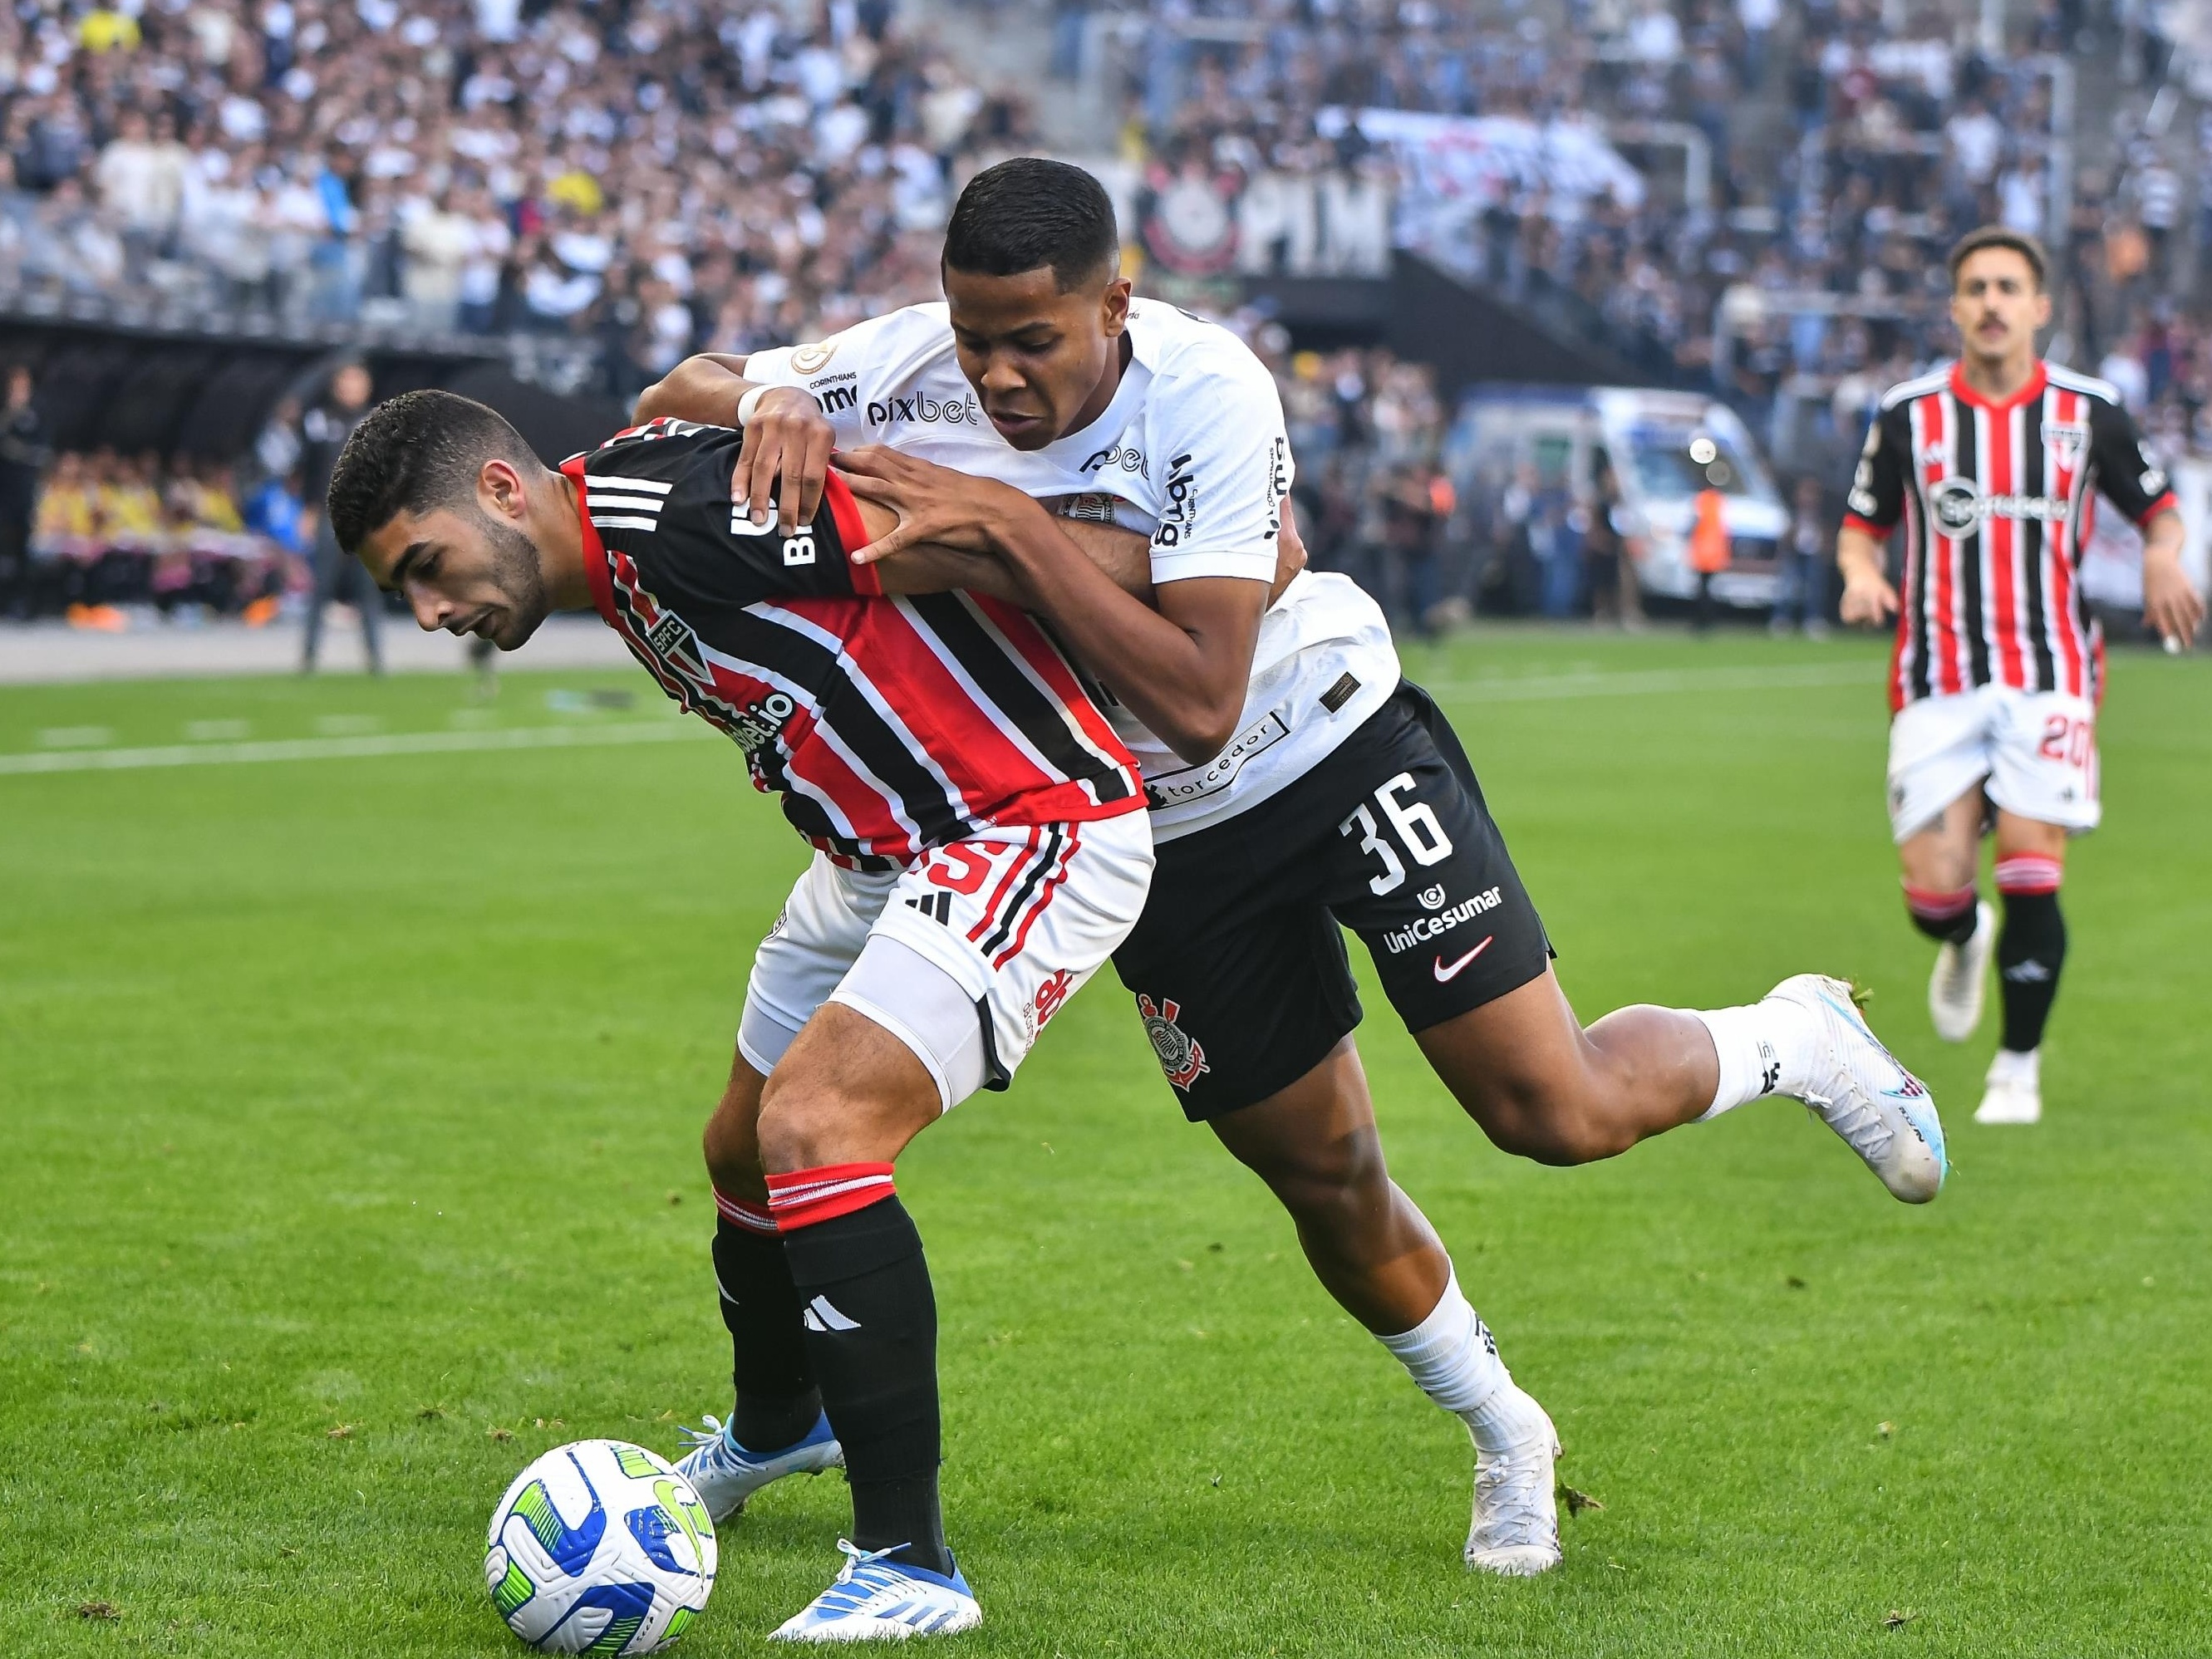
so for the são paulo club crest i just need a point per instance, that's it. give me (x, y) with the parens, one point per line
(1180, 1057)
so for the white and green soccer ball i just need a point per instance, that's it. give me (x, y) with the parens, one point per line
(599, 1546)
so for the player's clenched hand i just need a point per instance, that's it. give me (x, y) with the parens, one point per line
(2170, 605)
(1868, 601)
(933, 503)
(788, 437)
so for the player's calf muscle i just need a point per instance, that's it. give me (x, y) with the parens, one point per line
(730, 1143)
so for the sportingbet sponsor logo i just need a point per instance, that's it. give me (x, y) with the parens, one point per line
(1422, 929)
(889, 411)
(1178, 505)
(1959, 507)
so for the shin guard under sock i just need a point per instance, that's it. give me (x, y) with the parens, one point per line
(2030, 948)
(777, 1403)
(870, 1318)
(1945, 917)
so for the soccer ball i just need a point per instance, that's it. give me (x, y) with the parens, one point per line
(599, 1548)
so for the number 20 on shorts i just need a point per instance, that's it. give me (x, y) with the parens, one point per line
(2067, 740)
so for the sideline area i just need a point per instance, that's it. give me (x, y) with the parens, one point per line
(54, 653)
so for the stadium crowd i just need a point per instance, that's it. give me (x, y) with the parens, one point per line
(1848, 149)
(655, 177)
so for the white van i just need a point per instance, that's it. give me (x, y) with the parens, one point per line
(1565, 433)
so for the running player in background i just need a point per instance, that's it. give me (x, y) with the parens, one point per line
(1990, 463)
(980, 846)
(1296, 783)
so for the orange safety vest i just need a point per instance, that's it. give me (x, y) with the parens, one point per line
(1709, 536)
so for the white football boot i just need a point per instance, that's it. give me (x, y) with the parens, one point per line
(725, 1473)
(1858, 1088)
(875, 1600)
(2013, 1092)
(1516, 1532)
(1961, 976)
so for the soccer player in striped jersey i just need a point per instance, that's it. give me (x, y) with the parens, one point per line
(1298, 786)
(980, 846)
(1992, 465)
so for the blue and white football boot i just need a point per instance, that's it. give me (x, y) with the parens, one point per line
(1858, 1088)
(725, 1473)
(879, 1600)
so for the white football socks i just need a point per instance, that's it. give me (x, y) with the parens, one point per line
(1453, 1358)
(1766, 1048)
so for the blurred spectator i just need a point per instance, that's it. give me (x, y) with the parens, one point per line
(1608, 559)
(23, 457)
(1709, 551)
(338, 578)
(1808, 547)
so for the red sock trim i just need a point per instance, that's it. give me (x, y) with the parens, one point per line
(2029, 873)
(1932, 904)
(806, 1198)
(743, 1213)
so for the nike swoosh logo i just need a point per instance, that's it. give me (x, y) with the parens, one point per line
(1452, 972)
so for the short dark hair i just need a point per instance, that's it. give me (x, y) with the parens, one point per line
(1990, 236)
(418, 452)
(1027, 213)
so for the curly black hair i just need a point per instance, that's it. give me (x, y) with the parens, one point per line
(420, 451)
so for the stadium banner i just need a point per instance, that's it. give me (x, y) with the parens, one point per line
(1452, 168)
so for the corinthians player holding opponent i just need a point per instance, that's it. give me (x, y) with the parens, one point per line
(1295, 779)
(1991, 464)
(980, 846)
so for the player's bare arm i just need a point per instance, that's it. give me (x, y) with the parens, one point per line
(2172, 605)
(1183, 670)
(787, 437)
(1867, 599)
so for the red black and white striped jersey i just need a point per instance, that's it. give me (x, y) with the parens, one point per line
(888, 725)
(1996, 502)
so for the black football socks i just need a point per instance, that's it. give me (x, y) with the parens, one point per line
(870, 1319)
(777, 1401)
(2031, 951)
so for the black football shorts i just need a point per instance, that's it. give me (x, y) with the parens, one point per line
(1238, 963)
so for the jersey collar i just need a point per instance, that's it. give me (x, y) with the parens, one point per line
(2038, 380)
(595, 550)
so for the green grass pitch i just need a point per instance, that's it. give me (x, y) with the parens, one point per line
(349, 1106)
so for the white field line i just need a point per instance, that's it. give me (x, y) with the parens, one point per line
(1529, 688)
(1544, 688)
(355, 748)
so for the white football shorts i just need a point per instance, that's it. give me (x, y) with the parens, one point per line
(2035, 752)
(963, 955)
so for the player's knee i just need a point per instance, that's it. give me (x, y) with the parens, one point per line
(1541, 1120)
(732, 1150)
(1343, 1178)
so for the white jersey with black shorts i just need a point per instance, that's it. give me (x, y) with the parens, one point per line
(1342, 795)
(1998, 667)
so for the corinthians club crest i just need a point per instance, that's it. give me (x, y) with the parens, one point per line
(1180, 1057)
